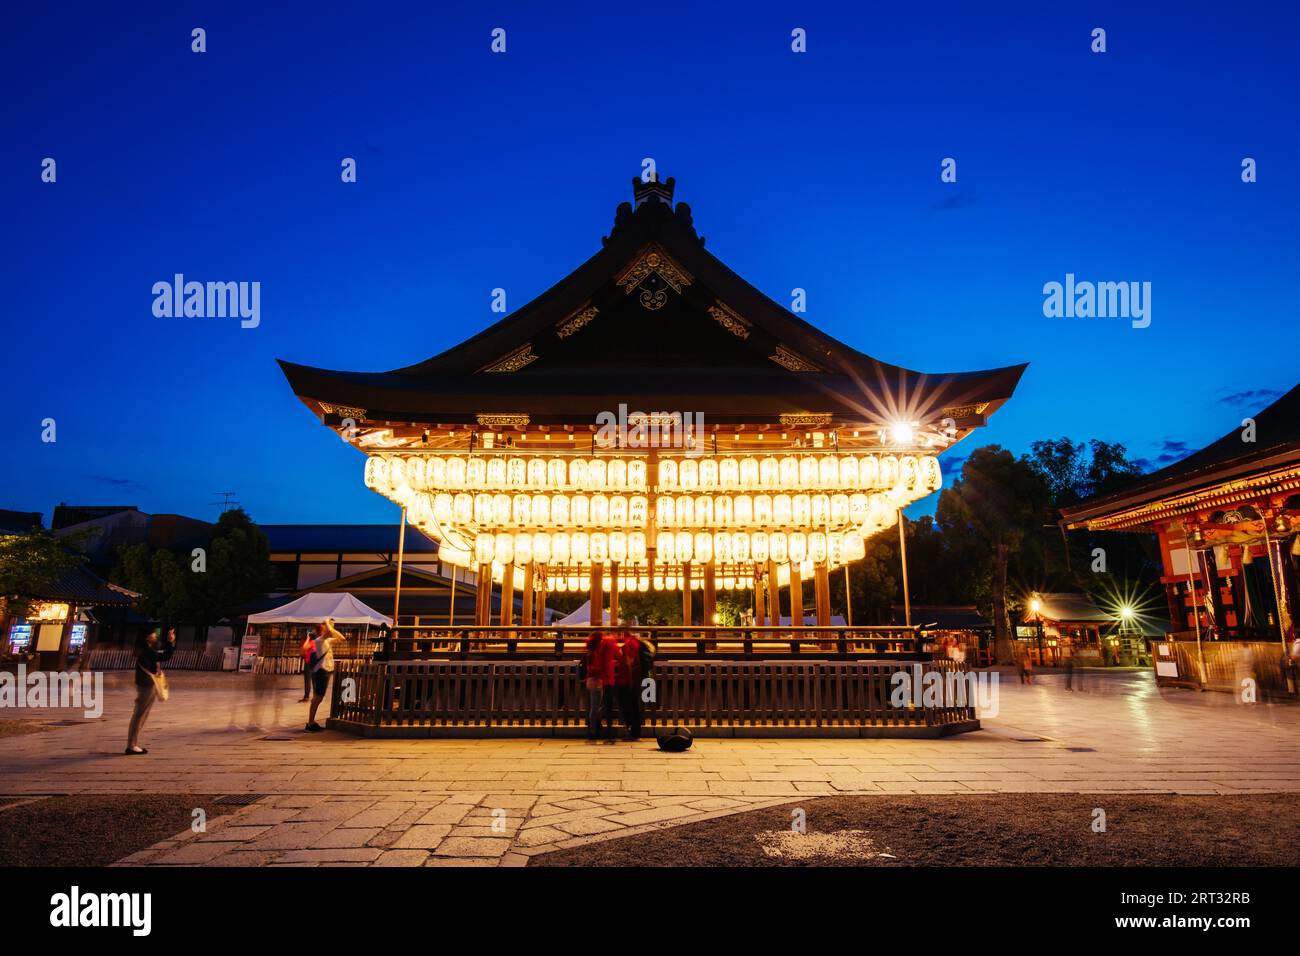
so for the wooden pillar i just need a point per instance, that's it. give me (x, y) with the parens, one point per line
(526, 613)
(710, 594)
(597, 617)
(613, 594)
(796, 595)
(483, 595)
(686, 594)
(773, 594)
(541, 598)
(508, 595)
(822, 589)
(760, 598)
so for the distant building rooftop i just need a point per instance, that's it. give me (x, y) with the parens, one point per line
(339, 538)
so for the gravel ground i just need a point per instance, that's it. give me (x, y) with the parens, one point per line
(94, 830)
(974, 830)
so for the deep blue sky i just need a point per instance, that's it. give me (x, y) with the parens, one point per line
(477, 170)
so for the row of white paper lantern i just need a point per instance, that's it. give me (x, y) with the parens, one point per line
(559, 511)
(681, 547)
(581, 583)
(388, 473)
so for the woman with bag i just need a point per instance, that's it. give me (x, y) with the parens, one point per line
(150, 684)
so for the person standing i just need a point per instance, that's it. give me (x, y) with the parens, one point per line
(148, 674)
(1026, 668)
(307, 645)
(627, 681)
(597, 672)
(321, 666)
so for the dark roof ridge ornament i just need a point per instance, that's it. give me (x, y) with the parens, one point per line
(649, 197)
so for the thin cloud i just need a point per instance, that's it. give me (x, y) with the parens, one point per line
(1254, 397)
(954, 202)
(122, 483)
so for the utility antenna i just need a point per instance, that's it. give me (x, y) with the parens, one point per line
(227, 500)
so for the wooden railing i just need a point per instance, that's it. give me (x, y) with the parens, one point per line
(699, 694)
(185, 659)
(496, 642)
(1228, 663)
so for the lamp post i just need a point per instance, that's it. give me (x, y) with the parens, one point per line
(1036, 606)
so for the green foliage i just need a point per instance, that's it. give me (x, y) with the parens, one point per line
(236, 569)
(27, 563)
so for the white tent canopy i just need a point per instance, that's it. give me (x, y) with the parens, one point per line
(315, 607)
(581, 617)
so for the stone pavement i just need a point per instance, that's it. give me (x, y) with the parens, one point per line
(337, 800)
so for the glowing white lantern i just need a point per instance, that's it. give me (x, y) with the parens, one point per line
(665, 513)
(668, 474)
(688, 474)
(501, 509)
(721, 546)
(869, 472)
(483, 508)
(684, 511)
(598, 546)
(722, 511)
(743, 511)
(828, 472)
(463, 508)
(709, 474)
(599, 510)
(542, 547)
(798, 547)
(820, 509)
(848, 472)
(521, 510)
(749, 473)
(578, 473)
(579, 547)
(855, 549)
(908, 473)
(808, 472)
(684, 544)
(484, 548)
(618, 511)
(888, 472)
(456, 471)
(435, 473)
(560, 511)
(523, 548)
(777, 547)
(618, 546)
(704, 510)
(729, 473)
(597, 474)
(665, 551)
(476, 473)
(636, 474)
(638, 508)
(536, 473)
(817, 547)
(740, 546)
(636, 550)
(505, 548)
(496, 473)
(769, 473)
(557, 473)
(789, 472)
(579, 510)
(931, 476)
(758, 546)
(444, 509)
(617, 474)
(542, 510)
(800, 510)
(839, 509)
(781, 509)
(415, 473)
(560, 547)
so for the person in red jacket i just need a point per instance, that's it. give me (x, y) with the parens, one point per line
(599, 671)
(627, 681)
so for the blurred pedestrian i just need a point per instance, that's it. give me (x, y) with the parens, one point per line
(322, 667)
(150, 684)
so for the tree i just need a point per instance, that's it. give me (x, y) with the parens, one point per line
(28, 562)
(995, 507)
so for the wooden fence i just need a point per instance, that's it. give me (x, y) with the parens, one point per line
(185, 659)
(717, 696)
(1227, 664)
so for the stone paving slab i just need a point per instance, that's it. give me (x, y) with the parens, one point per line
(334, 800)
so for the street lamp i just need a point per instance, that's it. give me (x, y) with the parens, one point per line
(1036, 606)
